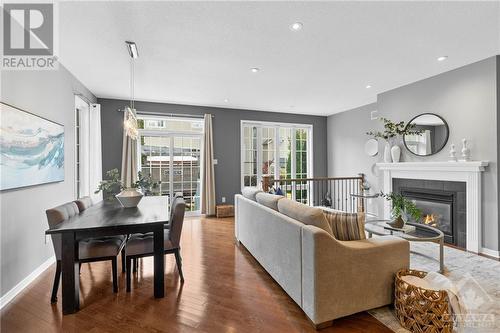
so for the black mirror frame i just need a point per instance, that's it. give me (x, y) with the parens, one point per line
(445, 141)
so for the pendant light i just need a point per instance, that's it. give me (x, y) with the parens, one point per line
(130, 122)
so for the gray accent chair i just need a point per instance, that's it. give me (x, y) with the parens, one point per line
(176, 196)
(89, 250)
(141, 245)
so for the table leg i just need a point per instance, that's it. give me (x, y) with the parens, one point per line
(70, 274)
(441, 255)
(159, 266)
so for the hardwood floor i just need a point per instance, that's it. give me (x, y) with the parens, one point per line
(225, 290)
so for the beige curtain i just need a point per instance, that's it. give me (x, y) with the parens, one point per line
(207, 169)
(129, 149)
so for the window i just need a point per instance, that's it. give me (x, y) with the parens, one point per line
(170, 152)
(276, 149)
(88, 157)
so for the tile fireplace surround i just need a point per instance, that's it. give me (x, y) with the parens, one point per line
(468, 172)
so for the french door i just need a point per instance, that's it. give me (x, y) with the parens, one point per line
(174, 161)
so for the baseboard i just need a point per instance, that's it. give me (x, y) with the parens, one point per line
(491, 253)
(9, 296)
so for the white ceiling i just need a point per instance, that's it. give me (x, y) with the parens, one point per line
(201, 53)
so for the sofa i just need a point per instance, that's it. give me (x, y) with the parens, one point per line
(327, 278)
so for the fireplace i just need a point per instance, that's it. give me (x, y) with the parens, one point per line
(442, 204)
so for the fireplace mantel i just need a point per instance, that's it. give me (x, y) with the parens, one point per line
(468, 172)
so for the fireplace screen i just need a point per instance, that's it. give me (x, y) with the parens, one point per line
(436, 214)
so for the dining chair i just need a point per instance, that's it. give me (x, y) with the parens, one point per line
(141, 245)
(89, 250)
(86, 202)
(176, 196)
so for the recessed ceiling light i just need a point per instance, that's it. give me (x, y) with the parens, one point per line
(368, 86)
(255, 70)
(226, 100)
(442, 58)
(296, 26)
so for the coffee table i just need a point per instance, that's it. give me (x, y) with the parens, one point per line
(421, 233)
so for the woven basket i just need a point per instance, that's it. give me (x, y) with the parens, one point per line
(421, 310)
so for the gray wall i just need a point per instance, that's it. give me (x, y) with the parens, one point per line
(226, 127)
(465, 97)
(49, 94)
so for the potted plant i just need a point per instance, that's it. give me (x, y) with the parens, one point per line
(392, 130)
(145, 184)
(402, 209)
(110, 186)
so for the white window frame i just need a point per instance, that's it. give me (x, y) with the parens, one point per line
(277, 126)
(82, 147)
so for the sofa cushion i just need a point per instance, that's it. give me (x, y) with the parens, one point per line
(304, 213)
(346, 226)
(268, 200)
(250, 192)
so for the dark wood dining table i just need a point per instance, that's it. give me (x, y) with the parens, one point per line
(107, 219)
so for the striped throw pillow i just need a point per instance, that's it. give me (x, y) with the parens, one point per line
(346, 226)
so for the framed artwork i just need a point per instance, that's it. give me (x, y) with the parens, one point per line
(31, 149)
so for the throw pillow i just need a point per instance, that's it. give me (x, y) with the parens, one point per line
(304, 213)
(250, 192)
(346, 226)
(268, 200)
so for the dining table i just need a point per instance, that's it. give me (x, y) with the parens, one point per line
(109, 218)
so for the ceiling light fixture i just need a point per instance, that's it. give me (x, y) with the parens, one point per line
(226, 100)
(368, 86)
(132, 49)
(296, 26)
(255, 70)
(130, 118)
(442, 58)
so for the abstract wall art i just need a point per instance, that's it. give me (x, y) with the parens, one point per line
(31, 149)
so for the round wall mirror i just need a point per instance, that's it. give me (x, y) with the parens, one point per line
(431, 134)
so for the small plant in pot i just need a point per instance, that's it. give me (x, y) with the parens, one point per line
(392, 130)
(402, 209)
(110, 186)
(145, 184)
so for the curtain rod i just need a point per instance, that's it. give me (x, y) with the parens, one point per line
(164, 114)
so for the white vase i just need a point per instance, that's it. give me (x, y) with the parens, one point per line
(395, 153)
(387, 153)
(129, 197)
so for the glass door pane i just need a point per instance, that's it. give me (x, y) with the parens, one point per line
(155, 161)
(249, 156)
(268, 151)
(285, 158)
(186, 170)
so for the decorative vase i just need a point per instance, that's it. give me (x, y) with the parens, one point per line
(129, 197)
(387, 153)
(395, 153)
(397, 223)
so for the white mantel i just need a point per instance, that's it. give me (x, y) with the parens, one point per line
(468, 172)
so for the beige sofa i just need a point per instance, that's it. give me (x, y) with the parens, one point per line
(327, 278)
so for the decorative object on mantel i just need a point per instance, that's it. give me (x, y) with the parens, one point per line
(453, 153)
(371, 147)
(391, 132)
(465, 151)
(402, 209)
(395, 153)
(430, 137)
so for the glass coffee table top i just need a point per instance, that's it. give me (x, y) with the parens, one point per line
(420, 233)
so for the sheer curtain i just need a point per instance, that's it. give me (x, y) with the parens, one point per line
(95, 158)
(207, 169)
